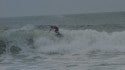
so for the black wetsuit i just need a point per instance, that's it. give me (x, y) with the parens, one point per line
(56, 29)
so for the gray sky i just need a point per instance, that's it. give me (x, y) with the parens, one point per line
(12, 8)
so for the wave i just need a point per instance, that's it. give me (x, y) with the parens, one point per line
(31, 40)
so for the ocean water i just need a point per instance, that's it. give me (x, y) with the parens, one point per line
(89, 42)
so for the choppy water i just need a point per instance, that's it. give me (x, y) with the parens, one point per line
(82, 47)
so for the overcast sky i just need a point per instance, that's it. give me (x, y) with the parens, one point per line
(12, 8)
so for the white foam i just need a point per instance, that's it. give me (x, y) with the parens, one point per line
(73, 40)
(79, 46)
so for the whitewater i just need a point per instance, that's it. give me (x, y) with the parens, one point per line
(89, 42)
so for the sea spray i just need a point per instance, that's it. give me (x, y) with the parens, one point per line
(73, 40)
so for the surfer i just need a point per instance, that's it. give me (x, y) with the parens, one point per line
(56, 30)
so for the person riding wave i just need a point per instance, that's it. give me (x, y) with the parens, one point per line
(56, 30)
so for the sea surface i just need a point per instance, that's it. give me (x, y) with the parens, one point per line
(93, 41)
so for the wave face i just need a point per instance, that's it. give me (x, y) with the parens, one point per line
(27, 39)
(29, 44)
(89, 42)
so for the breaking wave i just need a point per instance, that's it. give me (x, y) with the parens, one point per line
(29, 40)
